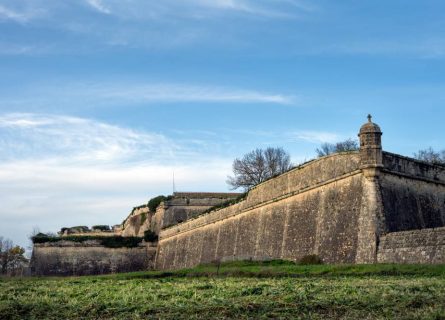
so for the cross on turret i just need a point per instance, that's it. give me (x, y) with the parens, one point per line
(369, 118)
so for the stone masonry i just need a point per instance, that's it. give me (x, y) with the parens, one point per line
(364, 206)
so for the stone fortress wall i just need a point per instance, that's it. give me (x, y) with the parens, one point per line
(344, 208)
(414, 246)
(287, 217)
(67, 258)
(365, 206)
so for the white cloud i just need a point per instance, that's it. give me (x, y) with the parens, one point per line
(53, 195)
(20, 11)
(189, 8)
(78, 139)
(99, 6)
(9, 14)
(186, 93)
(317, 136)
(59, 171)
(112, 94)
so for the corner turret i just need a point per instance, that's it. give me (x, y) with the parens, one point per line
(371, 147)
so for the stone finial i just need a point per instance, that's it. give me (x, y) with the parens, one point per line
(369, 118)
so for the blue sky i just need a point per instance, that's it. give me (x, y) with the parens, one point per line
(101, 100)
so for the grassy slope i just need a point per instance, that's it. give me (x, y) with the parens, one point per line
(242, 290)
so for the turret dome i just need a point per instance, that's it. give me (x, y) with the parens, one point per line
(370, 127)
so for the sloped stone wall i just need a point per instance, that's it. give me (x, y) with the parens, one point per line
(311, 210)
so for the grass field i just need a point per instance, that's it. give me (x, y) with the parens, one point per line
(240, 290)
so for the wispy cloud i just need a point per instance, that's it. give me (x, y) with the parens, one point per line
(60, 170)
(99, 6)
(125, 94)
(316, 136)
(73, 140)
(189, 8)
(188, 93)
(9, 14)
(21, 11)
(260, 8)
(423, 47)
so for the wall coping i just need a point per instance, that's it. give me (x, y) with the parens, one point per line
(308, 163)
(437, 166)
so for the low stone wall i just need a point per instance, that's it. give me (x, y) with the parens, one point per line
(67, 258)
(417, 246)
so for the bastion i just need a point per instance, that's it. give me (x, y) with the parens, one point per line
(365, 206)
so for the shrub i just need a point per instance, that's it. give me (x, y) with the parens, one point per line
(80, 229)
(120, 242)
(101, 227)
(150, 236)
(109, 242)
(227, 203)
(143, 218)
(156, 201)
(310, 259)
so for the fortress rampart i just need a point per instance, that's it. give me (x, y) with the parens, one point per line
(415, 246)
(364, 206)
(339, 207)
(309, 210)
(67, 258)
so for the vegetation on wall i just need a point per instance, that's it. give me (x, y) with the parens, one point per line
(150, 236)
(109, 242)
(311, 259)
(227, 203)
(143, 218)
(153, 203)
(101, 228)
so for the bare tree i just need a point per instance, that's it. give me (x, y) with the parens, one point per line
(258, 166)
(12, 259)
(431, 156)
(343, 146)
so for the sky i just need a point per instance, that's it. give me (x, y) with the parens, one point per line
(102, 100)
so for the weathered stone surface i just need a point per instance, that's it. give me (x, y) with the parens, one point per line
(188, 205)
(338, 207)
(416, 246)
(320, 220)
(66, 258)
(411, 204)
(345, 208)
(137, 222)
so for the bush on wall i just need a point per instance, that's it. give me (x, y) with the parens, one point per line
(150, 236)
(109, 242)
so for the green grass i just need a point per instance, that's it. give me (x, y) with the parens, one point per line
(241, 290)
